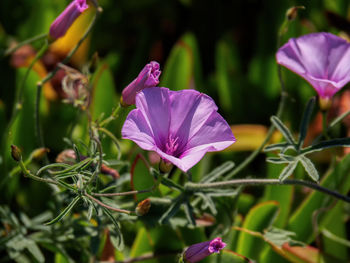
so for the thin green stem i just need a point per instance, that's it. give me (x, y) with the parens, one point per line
(107, 206)
(113, 138)
(280, 110)
(124, 193)
(25, 42)
(18, 103)
(113, 116)
(27, 173)
(99, 164)
(324, 125)
(239, 182)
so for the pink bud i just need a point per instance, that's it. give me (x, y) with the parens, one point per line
(63, 22)
(147, 78)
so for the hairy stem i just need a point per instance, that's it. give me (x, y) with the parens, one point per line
(107, 206)
(239, 182)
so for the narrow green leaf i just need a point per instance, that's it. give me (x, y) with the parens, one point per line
(283, 129)
(340, 142)
(276, 160)
(116, 234)
(288, 170)
(189, 213)
(207, 203)
(309, 167)
(277, 147)
(259, 218)
(305, 121)
(35, 251)
(218, 171)
(65, 211)
(173, 209)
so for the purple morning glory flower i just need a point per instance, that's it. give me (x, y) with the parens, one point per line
(181, 126)
(62, 23)
(322, 59)
(147, 78)
(199, 251)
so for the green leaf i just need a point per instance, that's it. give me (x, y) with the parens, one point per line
(279, 236)
(276, 160)
(65, 211)
(277, 147)
(182, 68)
(35, 251)
(260, 217)
(340, 142)
(309, 167)
(173, 209)
(229, 88)
(301, 220)
(288, 170)
(115, 233)
(305, 121)
(283, 129)
(218, 172)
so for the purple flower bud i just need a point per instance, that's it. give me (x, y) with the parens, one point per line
(199, 251)
(62, 23)
(147, 78)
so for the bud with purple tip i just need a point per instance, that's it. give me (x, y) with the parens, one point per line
(147, 78)
(63, 22)
(199, 251)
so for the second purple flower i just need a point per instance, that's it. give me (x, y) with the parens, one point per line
(181, 126)
(323, 59)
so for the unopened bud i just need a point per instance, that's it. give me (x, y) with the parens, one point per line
(143, 207)
(38, 154)
(292, 12)
(16, 153)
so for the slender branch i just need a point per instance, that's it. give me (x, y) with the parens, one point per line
(124, 193)
(18, 103)
(239, 182)
(99, 164)
(107, 206)
(113, 116)
(25, 42)
(27, 173)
